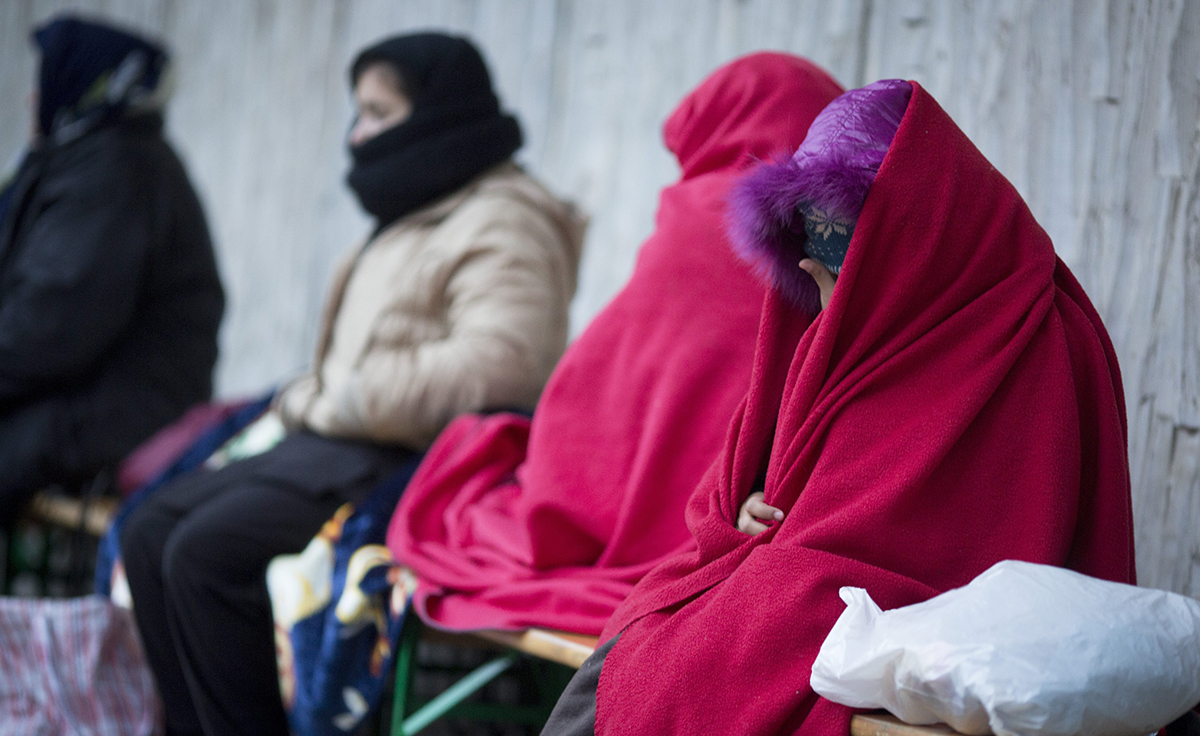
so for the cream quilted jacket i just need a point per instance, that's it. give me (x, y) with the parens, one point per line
(458, 307)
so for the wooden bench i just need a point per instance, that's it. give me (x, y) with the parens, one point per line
(555, 646)
(67, 524)
(553, 655)
(885, 724)
(570, 650)
(69, 512)
(94, 516)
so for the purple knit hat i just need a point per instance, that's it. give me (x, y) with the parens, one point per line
(806, 205)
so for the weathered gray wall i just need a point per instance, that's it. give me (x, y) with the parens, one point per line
(1091, 108)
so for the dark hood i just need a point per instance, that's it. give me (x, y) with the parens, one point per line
(92, 75)
(456, 130)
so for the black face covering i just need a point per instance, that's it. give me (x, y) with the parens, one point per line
(455, 133)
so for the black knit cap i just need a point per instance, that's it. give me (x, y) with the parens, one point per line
(456, 130)
(81, 60)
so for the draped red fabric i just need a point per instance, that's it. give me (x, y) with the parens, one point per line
(957, 403)
(510, 523)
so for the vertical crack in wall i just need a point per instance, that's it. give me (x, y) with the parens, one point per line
(864, 39)
(554, 147)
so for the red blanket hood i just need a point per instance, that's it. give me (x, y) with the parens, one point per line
(958, 403)
(510, 523)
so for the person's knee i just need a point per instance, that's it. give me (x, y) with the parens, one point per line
(141, 539)
(193, 560)
(181, 561)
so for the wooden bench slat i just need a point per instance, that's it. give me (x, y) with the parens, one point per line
(573, 649)
(65, 511)
(556, 646)
(884, 724)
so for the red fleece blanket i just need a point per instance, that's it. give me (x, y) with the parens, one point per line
(510, 523)
(957, 403)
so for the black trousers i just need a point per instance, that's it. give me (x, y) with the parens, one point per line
(575, 712)
(196, 554)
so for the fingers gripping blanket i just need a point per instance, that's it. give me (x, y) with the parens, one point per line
(510, 523)
(957, 403)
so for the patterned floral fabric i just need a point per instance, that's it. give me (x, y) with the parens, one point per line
(338, 607)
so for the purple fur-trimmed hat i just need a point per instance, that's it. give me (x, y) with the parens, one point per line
(807, 204)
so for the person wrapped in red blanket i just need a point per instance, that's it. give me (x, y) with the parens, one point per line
(954, 401)
(510, 523)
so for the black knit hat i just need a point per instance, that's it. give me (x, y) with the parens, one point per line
(91, 73)
(455, 132)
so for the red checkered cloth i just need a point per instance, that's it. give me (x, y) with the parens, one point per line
(73, 667)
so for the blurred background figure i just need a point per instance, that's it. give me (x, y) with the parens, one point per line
(457, 302)
(109, 295)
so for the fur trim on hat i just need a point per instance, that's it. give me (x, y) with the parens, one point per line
(829, 176)
(766, 228)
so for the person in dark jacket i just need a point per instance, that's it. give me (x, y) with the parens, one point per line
(109, 295)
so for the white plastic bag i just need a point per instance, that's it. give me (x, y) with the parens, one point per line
(1023, 649)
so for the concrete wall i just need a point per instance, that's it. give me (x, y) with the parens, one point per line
(1091, 108)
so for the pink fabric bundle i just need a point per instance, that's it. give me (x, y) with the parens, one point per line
(510, 523)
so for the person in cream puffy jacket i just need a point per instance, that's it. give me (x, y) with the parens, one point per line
(456, 303)
(460, 306)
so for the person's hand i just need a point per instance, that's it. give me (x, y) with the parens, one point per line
(752, 510)
(824, 278)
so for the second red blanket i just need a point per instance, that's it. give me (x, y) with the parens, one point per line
(510, 523)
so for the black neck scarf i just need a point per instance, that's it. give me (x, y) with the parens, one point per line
(456, 130)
